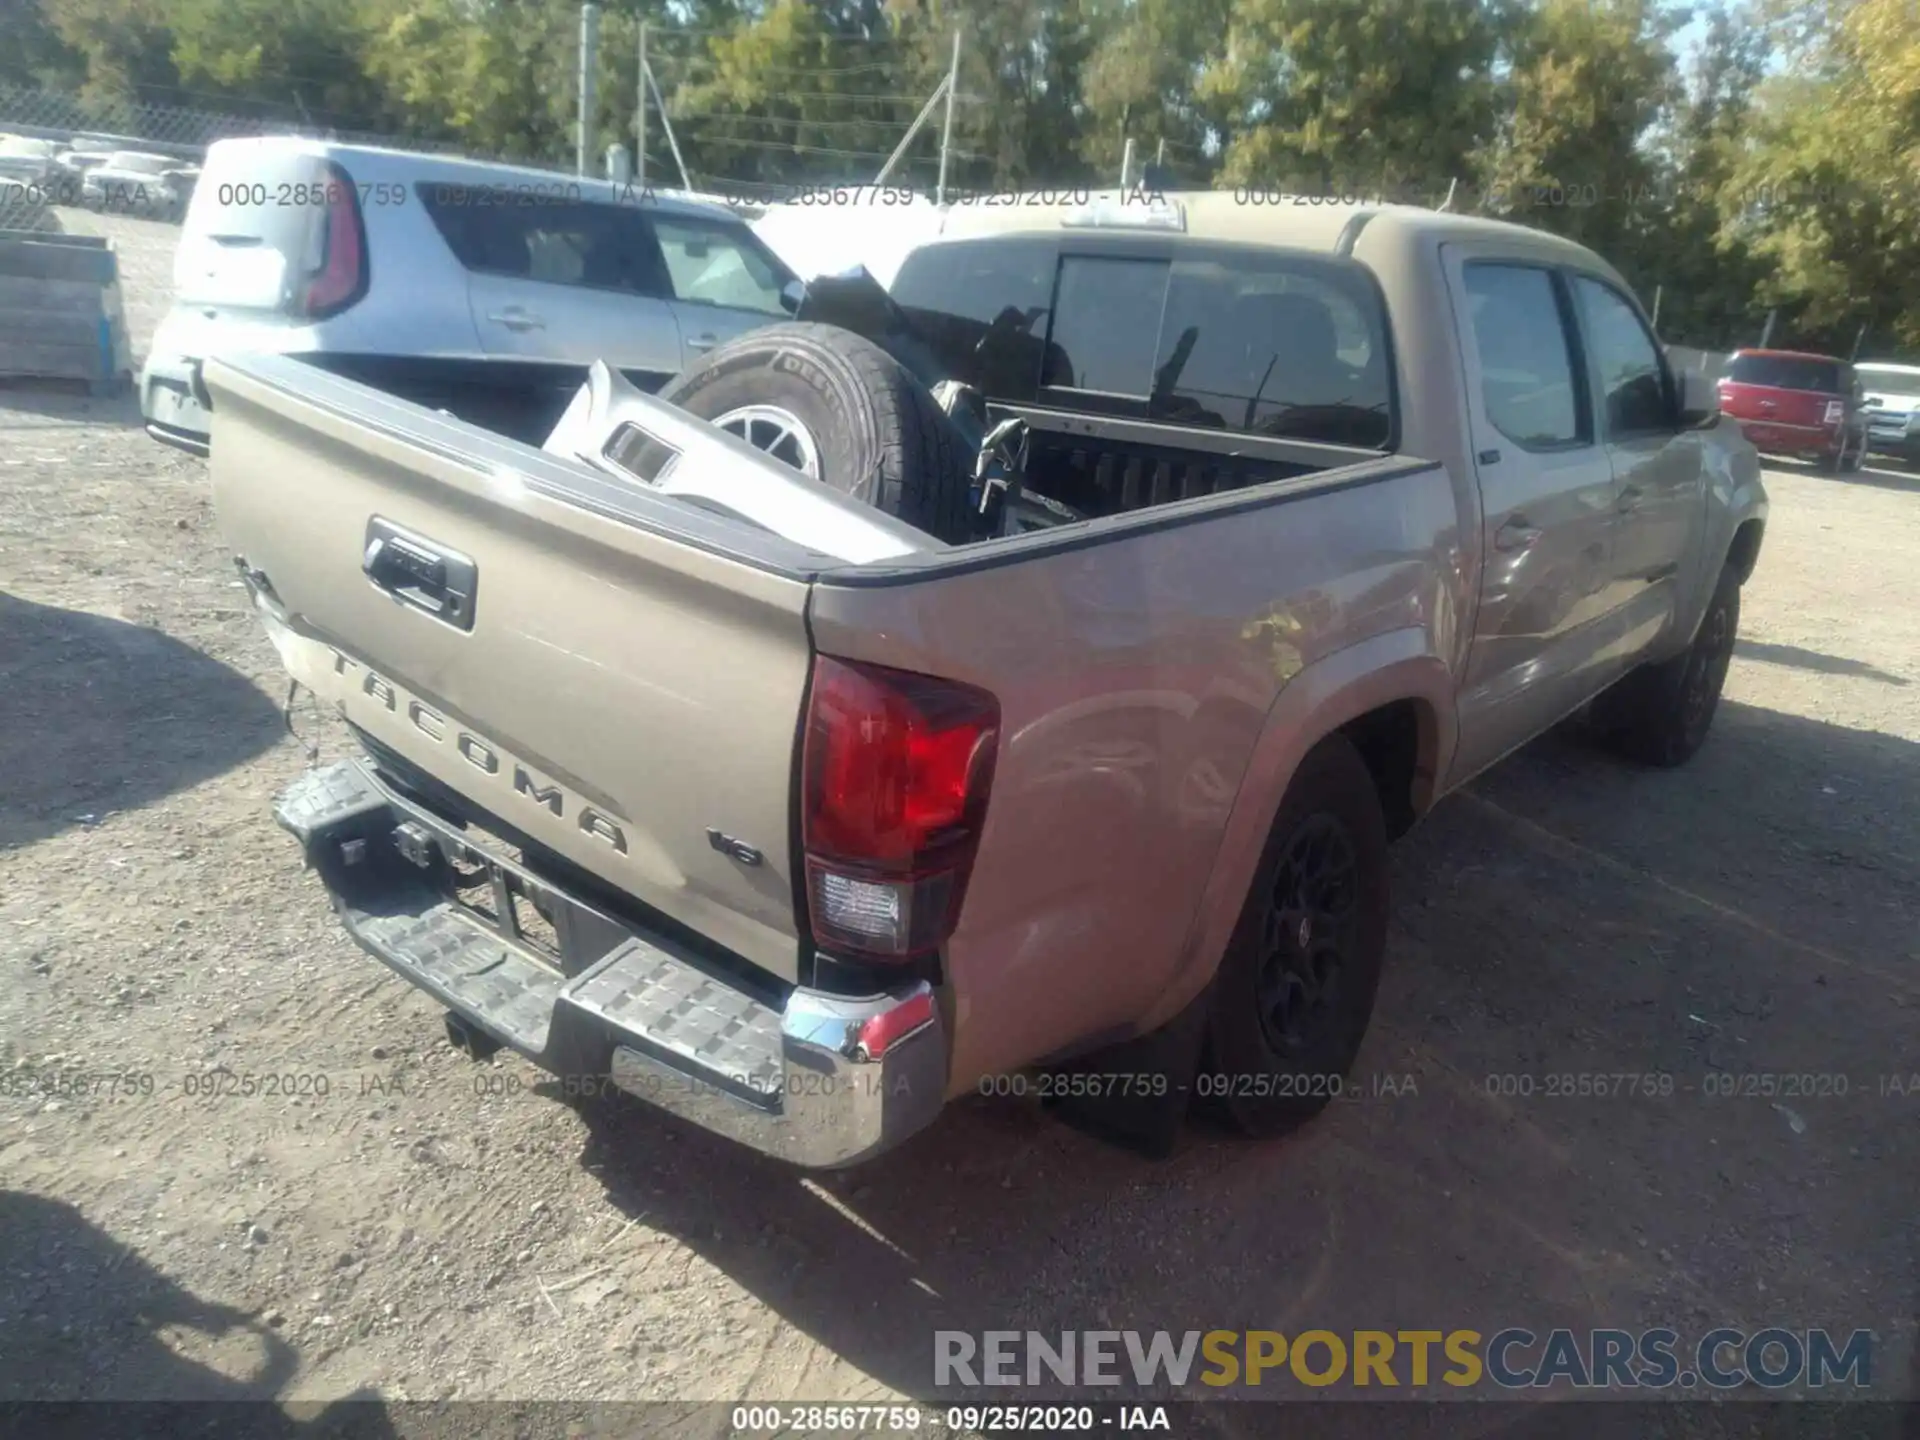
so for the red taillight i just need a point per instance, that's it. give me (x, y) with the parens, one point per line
(897, 769)
(342, 278)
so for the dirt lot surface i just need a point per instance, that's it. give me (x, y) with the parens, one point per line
(433, 1228)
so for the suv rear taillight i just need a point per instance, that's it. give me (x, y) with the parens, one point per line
(896, 772)
(342, 277)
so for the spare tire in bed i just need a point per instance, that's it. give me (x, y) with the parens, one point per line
(836, 406)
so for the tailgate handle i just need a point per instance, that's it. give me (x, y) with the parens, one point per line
(420, 573)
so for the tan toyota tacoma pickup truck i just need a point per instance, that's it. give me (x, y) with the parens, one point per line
(798, 815)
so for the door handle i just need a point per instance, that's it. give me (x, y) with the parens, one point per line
(1516, 534)
(514, 318)
(702, 343)
(1630, 498)
(417, 572)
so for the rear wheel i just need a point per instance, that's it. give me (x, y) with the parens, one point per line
(1660, 714)
(1296, 988)
(841, 410)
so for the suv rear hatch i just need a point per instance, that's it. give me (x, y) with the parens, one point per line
(1793, 395)
(272, 239)
(608, 674)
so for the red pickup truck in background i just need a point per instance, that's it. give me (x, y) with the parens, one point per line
(1794, 403)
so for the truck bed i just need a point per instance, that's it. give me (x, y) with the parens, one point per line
(622, 674)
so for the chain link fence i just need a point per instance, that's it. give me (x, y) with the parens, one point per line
(160, 129)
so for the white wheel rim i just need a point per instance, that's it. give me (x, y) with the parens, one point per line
(778, 432)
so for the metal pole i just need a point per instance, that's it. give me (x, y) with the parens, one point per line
(946, 126)
(589, 43)
(912, 130)
(1766, 334)
(666, 124)
(1656, 308)
(1160, 152)
(1126, 162)
(1858, 341)
(640, 114)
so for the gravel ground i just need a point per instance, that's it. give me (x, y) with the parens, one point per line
(432, 1228)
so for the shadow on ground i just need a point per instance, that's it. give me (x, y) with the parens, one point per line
(91, 1332)
(67, 400)
(1800, 658)
(99, 715)
(1569, 916)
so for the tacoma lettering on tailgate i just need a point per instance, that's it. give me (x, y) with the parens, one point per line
(482, 755)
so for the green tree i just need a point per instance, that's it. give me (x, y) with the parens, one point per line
(126, 45)
(1827, 188)
(32, 51)
(1589, 80)
(309, 56)
(1707, 277)
(1354, 94)
(1141, 81)
(1019, 117)
(784, 97)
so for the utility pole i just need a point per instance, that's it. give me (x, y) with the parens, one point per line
(1766, 333)
(1126, 163)
(1858, 341)
(589, 43)
(946, 126)
(1656, 307)
(640, 115)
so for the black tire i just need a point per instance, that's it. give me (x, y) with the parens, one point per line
(878, 432)
(1290, 1006)
(1660, 714)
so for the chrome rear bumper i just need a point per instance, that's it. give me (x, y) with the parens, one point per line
(820, 1080)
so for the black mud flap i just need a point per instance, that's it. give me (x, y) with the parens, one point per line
(1124, 1101)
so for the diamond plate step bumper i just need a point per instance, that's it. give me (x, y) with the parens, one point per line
(821, 1080)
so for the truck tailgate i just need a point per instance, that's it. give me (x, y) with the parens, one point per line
(614, 675)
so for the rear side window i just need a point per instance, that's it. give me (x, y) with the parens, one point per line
(1527, 364)
(1789, 372)
(1274, 345)
(549, 241)
(712, 264)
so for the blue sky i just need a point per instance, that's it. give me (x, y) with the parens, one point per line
(1685, 42)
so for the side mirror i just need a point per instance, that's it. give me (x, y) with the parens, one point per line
(1699, 400)
(791, 294)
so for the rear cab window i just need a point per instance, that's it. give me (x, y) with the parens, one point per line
(1242, 338)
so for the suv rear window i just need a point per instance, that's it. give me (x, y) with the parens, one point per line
(1258, 341)
(1790, 372)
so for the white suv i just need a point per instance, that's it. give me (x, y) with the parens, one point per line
(459, 284)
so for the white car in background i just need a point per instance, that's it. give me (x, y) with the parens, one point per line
(1891, 394)
(133, 182)
(464, 285)
(25, 161)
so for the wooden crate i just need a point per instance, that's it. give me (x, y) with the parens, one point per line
(61, 313)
